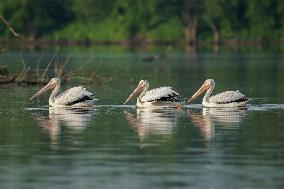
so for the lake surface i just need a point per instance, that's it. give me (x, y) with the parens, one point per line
(116, 146)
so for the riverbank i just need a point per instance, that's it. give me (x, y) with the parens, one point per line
(140, 43)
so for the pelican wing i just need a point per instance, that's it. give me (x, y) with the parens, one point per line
(73, 96)
(159, 94)
(228, 97)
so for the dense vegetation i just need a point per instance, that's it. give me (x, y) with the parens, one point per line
(156, 20)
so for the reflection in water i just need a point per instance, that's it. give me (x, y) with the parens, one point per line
(205, 121)
(50, 126)
(75, 120)
(266, 107)
(153, 122)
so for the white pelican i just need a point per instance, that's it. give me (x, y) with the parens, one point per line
(74, 97)
(159, 97)
(225, 99)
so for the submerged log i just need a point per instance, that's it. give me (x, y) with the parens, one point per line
(154, 57)
(5, 80)
(4, 75)
(3, 70)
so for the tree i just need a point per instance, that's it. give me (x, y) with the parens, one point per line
(34, 18)
(190, 13)
(261, 20)
(213, 15)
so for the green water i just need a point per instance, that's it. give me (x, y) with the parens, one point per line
(116, 146)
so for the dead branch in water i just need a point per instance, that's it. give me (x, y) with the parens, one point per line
(71, 73)
(58, 69)
(47, 67)
(23, 74)
(37, 66)
(30, 76)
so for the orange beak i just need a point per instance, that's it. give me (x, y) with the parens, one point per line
(202, 89)
(136, 91)
(50, 85)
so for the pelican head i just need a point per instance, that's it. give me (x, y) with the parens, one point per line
(142, 86)
(206, 85)
(50, 85)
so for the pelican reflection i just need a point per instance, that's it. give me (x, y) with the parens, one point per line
(76, 119)
(73, 120)
(153, 122)
(206, 120)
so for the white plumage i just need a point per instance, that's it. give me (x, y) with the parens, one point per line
(163, 97)
(72, 95)
(227, 97)
(75, 97)
(158, 93)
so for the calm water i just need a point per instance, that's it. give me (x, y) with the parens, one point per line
(115, 146)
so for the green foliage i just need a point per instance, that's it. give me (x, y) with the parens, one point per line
(106, 31)
(35, 18)
(169, 31)
(154, 20)
(261, 19)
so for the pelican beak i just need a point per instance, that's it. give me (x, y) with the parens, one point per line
(136, 91)
(50, 85)
(202, 89)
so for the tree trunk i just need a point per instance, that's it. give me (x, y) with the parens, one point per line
(190, 29)
(216, 34)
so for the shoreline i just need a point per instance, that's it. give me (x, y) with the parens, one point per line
(138, 43)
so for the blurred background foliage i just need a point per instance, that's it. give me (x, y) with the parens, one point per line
(151, 20)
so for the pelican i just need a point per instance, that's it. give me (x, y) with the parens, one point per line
(227, 99)
(159, 97)
(74, 97)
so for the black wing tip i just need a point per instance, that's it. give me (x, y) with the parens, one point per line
(82, 99)
(244, 99)
(172, 97)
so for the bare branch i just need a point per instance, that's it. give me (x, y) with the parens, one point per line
(9, 26)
